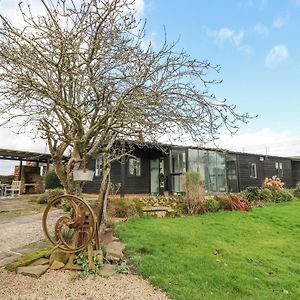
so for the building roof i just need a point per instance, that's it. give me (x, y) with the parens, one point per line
(9, 154)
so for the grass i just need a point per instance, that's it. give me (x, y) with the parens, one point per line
(225, 255)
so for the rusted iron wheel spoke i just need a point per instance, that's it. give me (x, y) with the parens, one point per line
(82, 221)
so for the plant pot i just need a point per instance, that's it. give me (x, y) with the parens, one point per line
(83, 175)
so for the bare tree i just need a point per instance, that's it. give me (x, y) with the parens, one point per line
(83, 77)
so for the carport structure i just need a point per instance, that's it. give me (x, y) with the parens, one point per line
(22, 156)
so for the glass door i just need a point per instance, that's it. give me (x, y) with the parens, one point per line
(154, 176)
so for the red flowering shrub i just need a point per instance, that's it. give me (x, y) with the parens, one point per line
(234, 202)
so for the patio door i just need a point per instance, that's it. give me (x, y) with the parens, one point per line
(154, 176)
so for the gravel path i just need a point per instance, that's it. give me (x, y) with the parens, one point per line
(22, 230)
(59, 285)
(19, 231)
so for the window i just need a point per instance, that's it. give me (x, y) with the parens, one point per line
(177, 161)
(98, 166)
(134, 165)
(279, 169)
(252, 170)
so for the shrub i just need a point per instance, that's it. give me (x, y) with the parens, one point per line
(125, 207)
(52, 181)
(252, 193)
(282, 196)
(65, 205)
(211, 205)
(297, 190)
(54, 193)
(233, 202)
(42, 199)
(193, 200)
(274, 183)
(49, 196)
(266, 195)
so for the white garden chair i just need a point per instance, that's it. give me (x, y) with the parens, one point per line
(15, 187)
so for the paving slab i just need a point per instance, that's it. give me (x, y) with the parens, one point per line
(9, 259)
(33, 271)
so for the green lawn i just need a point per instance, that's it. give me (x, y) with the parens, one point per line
(225, 255)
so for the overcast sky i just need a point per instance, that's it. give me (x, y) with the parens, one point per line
(257, 44)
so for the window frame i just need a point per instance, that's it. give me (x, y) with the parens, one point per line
(135, 159)
(251, 165)
(98, 166)
(279, 169)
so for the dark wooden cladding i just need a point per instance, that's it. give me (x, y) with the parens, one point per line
(94, 186)
(265, 167)
(243, 169)
(296, 172)
(270, 169)
(132, 184)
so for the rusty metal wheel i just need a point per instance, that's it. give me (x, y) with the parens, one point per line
(74, 231)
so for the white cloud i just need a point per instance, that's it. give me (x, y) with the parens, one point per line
(279, 22)
(260, 29)
(238, 38)
(246, 49)
(139, 6)
(264, 141)
(11, 140)
(277, 55)
(10, 10)
(224, 34)
(227, 34)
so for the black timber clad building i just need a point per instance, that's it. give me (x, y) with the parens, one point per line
(157, 170)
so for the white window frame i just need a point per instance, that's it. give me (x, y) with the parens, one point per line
(135, 166)
(252, 167)
(279, 169)
(98, 165)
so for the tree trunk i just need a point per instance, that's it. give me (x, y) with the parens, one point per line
(103, 195)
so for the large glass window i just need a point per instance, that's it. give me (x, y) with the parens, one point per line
(211, 176)
(193, 160)
(211, 167)
(134, 165)
(221, 172)
(178, 161)
(178, 183)
(231, 173)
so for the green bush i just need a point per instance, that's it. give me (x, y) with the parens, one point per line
(42, 199)
(52, 181)
(49, 196)
(252, 193)
(65, 205)
(125, 207)
(54, 193)
(297, 190)
(266, 195)
(211, 205)
(282, 196)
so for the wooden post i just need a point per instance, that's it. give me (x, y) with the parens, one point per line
(20, 169)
